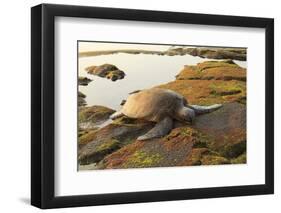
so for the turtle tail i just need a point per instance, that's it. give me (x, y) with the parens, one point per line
(204, 109)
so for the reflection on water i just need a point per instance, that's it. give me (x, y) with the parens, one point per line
(142, 71)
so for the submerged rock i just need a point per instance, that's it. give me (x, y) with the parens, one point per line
(83, 81)
(108, 71)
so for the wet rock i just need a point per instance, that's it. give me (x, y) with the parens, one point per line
(215, 138)
(204, 92)
(210, 52)
(226, 132)
(213, 70)
(221, 53)
(204, 156)
(176, 51)
(167, 151)
(109, 139)
(92, 116)
(86, 135)
(241, 159)
(83, 81)
(82, 95)
(227, 127)
(108, 71)
(211, 82)
(81, 99)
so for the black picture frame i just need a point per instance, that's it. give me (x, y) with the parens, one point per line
(43, 102)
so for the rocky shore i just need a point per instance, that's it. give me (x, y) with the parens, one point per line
(210, 52)
(215, 138)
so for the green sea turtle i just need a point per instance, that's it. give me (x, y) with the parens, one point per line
(161, 106)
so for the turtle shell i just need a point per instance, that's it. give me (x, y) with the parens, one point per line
(153, 104)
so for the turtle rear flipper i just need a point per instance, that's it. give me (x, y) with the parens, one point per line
(204, 109)
(160, 129)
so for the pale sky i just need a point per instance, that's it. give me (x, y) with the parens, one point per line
(94, 46)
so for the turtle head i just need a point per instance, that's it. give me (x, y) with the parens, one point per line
(186, 114)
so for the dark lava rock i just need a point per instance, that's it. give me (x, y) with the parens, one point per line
(92, 116)
(210, 52)
(83, 81)
(215, 138)
(81, 100)
(108, 71)
(109, 139)
(211, 82)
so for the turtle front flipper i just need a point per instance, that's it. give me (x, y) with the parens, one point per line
(116, 115)
(162, 128)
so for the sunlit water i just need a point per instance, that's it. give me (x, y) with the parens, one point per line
(142, 71)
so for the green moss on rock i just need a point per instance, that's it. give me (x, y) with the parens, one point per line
(83, 81)
(233, 150)
(241, 159)
(218, 70)
(142, 159)
(108, 71)
(214, 82)
(87, 136)
(194, 159)
(204, 156)
(208, 92)
(81, 99)
(112, 144)
(99, 151)
(230, 88)
(125, 120)
(94, 114)
(214, 160)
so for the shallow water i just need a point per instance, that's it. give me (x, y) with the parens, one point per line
(143, 71)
